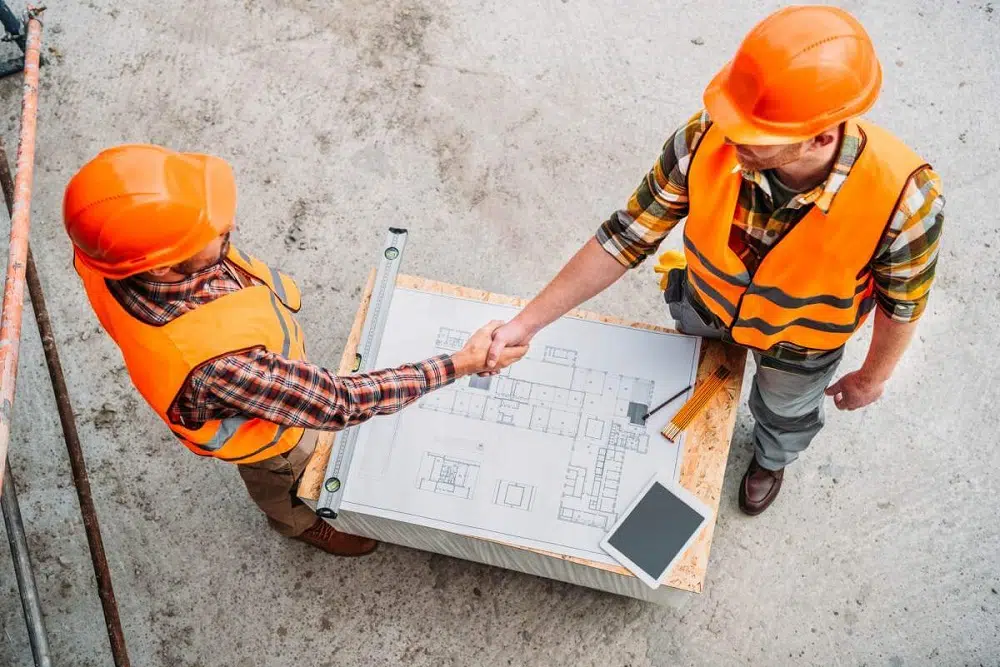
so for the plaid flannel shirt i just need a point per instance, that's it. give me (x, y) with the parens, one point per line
(262, 384)
(903, 267)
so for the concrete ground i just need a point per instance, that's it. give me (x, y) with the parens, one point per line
(501, 134)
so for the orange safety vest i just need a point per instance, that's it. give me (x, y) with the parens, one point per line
(814, 288)
(161, 358)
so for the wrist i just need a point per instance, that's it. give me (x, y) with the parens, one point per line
(526, 324)
(874, 376)
(462, 363)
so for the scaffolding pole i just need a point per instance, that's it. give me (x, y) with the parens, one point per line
(10, 335)
(78, 465)
(20, 225)
(24, 575)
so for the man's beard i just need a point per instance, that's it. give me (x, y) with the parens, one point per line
(190, 267)
(784, 156)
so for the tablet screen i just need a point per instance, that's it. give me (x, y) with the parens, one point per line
(655, 530)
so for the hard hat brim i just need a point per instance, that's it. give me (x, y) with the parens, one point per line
(739, 127)
(196, 241)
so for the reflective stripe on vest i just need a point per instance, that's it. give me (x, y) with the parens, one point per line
(771, 329)
(282, 285)
(739, 281)
(227, 429)
(161, 358)
(813, 288)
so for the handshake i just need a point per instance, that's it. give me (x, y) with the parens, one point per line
(490, 349)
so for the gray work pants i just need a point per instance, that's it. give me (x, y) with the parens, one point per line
(786, 400)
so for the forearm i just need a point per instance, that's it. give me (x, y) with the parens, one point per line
(889, 341)
(591, 270)
(384, 392)
(297, 393)
(627, 237)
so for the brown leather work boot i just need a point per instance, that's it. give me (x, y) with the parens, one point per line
(324, 536)
(759, 488)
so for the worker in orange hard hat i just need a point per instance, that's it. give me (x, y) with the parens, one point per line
(802, 219)
(208, 333)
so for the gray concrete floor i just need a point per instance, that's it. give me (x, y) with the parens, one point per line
(501, 134)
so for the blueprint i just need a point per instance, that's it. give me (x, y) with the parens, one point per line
(543, 455)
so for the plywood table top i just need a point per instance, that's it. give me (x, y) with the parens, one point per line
(707, 441)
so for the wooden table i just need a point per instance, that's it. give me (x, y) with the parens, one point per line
(702, 470)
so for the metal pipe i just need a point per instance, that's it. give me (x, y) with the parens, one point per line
(91, 525)
(81, 479)
(20, 224)
(33, 618)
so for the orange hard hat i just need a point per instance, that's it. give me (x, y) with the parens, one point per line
(139, 207)
(799, 72)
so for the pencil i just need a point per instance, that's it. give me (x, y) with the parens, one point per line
(665, 403)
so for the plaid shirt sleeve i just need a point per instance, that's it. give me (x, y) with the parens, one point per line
(904, 266)
(269, 386)
(659, 203)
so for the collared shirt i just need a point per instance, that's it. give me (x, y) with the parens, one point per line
(903, 267)
(262, 384)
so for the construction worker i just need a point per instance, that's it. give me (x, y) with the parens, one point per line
(802, 218)
(208, 333)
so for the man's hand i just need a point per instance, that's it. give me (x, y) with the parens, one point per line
(854, 391)
(472, 358)
(589, 272)
(511, 334)
(865, 386)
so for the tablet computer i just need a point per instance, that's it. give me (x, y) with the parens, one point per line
(655, 530)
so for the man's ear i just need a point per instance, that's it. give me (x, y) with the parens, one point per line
(825, 139)
(158, 272)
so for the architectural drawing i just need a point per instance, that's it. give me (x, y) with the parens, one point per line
(451, 340)
(514, 495)
(601, 411)
(593, 477)
(448, 476)
(545, 454)
(560, 355)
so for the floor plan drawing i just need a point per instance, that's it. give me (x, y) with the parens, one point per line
(514, 495)
(599, 410)
(546, 453)
(560, 355)
(448, 476)
(593, 477)
(451, 339)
